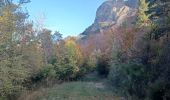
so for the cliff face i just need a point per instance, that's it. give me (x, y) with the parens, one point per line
(113, 13)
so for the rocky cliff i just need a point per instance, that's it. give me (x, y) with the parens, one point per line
(113, 13)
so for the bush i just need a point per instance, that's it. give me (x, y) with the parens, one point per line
(129, 79)
(12, 77)
(89, 65)
(66, 71)
(47, 71)
(65, 68)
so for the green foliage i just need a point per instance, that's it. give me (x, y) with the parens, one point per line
(65, 65)
(24, 54)
(13, 69)
(160, 17)
(89, 64)
(104, 24)
(147, 78)
(19, 56)
(142, 17)
(12, 74)
(129, 79)
(47, 71)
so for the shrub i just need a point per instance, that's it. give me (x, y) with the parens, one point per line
(129, 79)
(47, 71)
(65, 67)
(12, 77)
(89, 65)
(66, 71)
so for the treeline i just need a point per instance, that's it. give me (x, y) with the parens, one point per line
(141, 67)
(135, 58)
(31, 56)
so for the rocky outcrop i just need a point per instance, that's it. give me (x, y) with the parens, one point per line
(113, 13)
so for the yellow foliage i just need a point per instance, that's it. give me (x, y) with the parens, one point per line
(7, 24)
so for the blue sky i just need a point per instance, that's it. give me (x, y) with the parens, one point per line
(69, 17)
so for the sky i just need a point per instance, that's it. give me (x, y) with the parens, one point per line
(69, 17)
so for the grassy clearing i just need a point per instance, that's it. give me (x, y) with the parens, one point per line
(91, 87)
(74, 91)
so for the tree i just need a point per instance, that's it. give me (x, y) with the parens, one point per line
(68, 59)
(47, 46)
(142, 17)
(146, 73)
(160, 10)
(57, 36)
(13, 70)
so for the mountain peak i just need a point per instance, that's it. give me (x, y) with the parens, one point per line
(112, 12)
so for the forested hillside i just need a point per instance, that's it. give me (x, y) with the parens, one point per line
(123, 55)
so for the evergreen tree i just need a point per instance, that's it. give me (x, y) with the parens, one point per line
(160, 10)
(142, 16)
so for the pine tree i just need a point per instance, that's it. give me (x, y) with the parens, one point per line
(143, 17)
(160, 10)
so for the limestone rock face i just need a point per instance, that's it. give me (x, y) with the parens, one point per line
(113, 13)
